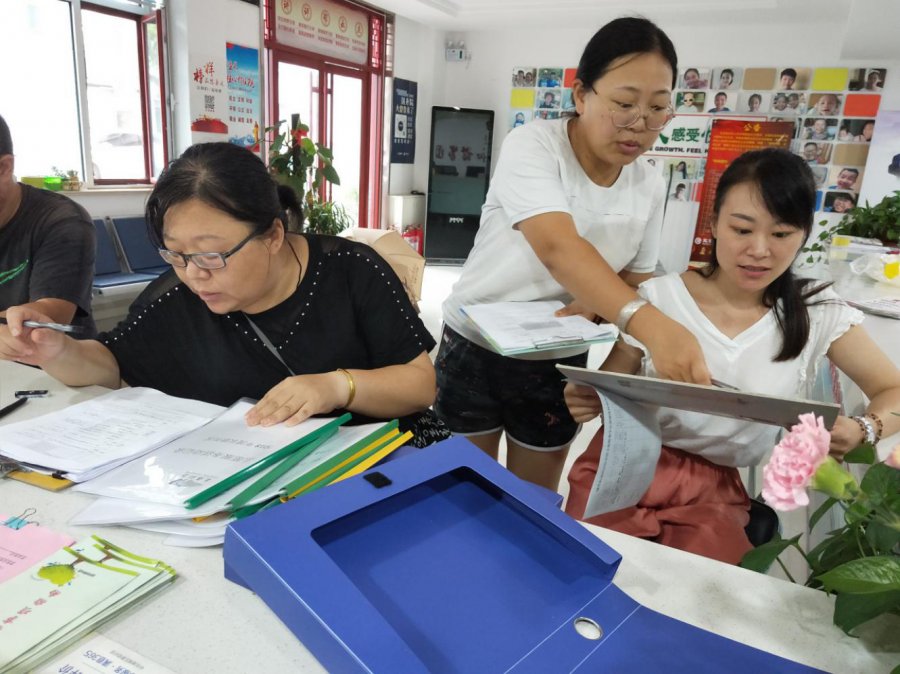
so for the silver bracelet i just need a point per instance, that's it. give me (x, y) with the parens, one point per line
(628, 311)
(868, 429)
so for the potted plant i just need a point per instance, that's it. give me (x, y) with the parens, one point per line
(297, 161)
(881, 221)
(69, 179)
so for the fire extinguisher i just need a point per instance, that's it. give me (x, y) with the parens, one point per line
(413, 236)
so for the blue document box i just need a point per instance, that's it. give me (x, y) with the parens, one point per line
(443, 561)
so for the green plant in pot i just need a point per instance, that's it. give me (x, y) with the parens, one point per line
(304, 165)
(881, 221)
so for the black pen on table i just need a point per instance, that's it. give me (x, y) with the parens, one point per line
(12, 407)
(59, 327)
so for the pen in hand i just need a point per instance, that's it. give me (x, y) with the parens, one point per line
(12, 407)
(59, 327)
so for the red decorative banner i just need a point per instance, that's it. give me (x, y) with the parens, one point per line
(323, 27)
(728, 139)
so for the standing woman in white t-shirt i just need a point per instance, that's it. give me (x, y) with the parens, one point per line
(762, 330)
(571, 214)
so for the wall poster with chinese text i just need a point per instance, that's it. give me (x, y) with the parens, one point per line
(208, 98)
(243, 96)
(403, 136)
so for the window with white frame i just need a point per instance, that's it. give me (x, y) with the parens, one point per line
(84, 88)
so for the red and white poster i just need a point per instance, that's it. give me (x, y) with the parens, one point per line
(323, 27)
(728, 139)
(208, 98)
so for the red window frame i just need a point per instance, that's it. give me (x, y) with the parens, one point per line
(371, 74)
(140, 22)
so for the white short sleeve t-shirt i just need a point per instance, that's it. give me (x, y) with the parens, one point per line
(744, 361)
(537, 172)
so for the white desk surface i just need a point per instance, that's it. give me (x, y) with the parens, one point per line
(204, 623)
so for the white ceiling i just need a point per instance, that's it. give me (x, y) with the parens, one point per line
(461, 15)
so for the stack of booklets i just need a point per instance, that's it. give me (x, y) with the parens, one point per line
(193, 486)
(47, 607)
(513, 328)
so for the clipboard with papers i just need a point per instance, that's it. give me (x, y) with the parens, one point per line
(513, 328)
(722, 402)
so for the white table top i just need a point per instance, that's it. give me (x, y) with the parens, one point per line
(205, 623)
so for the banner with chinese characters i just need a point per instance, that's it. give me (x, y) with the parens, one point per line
(243, 96)
(323, 27)
(403, 137)
(208, 98)
(728, 139)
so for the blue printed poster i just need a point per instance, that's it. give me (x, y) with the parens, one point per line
(403, 136)
(243, 96)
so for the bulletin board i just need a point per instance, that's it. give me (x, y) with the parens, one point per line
(832, 111)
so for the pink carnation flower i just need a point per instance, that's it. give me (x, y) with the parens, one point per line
(793, 463)
(893, 459)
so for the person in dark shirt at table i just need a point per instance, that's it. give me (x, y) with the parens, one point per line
(46, 248)
(306, 324)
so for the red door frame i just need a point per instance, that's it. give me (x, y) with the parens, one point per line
(370, 74)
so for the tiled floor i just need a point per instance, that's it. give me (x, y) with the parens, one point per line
(436, 285)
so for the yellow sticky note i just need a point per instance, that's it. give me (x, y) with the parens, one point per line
(521, 98)
(830, 79)
(892, 269)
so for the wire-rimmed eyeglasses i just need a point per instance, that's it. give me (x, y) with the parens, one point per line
(202, 260)
(655, 118)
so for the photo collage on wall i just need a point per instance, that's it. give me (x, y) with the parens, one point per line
(833, 111)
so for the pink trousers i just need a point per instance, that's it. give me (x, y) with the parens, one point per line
(692, 504)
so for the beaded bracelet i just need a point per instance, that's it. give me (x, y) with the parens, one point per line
(879, 426)
(867, 428)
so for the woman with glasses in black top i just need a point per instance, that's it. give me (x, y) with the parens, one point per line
(306, 324)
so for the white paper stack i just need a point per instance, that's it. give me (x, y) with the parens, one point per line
(150, 494)
(86, 440)
(523, 327)
(67, 595)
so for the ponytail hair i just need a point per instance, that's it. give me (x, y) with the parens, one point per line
(290, 204)
(786, 185)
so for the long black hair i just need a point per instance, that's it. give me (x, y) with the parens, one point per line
(622, 37)
(227, 177)
(788, 189)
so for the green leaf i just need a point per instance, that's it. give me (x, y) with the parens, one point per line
(820, 511)
(308, 146)
(864, 576)
(879, 482)
(331, 175)
(326, 153)
(881, 537)
(864, 453)
(761, 558)
(852, 610)
(840, 547)
(857, 512)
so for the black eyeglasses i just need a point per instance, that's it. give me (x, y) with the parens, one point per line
(202, 260)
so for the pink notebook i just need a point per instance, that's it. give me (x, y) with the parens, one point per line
(25, 547)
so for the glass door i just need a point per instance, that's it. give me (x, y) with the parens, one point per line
(345, 138)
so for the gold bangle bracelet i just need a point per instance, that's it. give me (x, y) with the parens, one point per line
(351, 383)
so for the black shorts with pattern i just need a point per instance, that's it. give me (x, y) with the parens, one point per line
(480, 391)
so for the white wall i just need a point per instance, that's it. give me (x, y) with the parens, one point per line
(418, 56)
